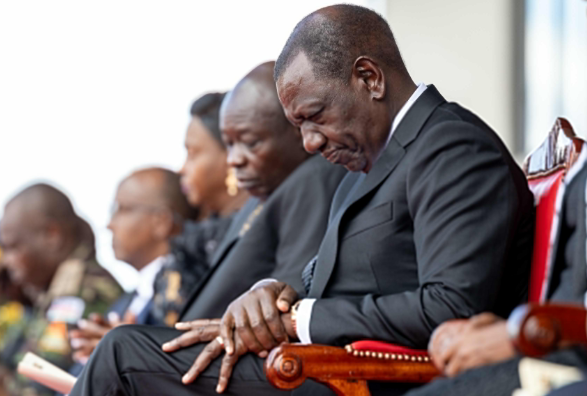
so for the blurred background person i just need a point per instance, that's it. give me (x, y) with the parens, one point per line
(149, 209)
(15, 310)
(210, 185)
(49, 250)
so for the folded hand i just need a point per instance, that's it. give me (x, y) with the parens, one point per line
(459, 345)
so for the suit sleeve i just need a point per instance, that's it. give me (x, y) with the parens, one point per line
(462, 200)
(301, 219)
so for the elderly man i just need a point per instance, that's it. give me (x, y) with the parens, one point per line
(50, 251)
(434, 222)
(149, 209)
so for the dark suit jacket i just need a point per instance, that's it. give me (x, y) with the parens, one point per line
(568, 276)
(440, 228)
(121, 305)
(282, 239)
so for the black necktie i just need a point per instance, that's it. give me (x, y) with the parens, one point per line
(308, 274)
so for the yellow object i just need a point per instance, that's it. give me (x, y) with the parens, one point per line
(231, 182)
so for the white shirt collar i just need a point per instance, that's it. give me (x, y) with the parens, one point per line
(147, 274)
(402, 112)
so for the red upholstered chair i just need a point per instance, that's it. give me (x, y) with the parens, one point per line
(347, 370)
(545, 169)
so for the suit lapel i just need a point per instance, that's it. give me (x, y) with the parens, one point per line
(231, 237)
(406, 132)
(232, 234)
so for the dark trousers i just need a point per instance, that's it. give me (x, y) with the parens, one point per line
(495, 380)
(129, 361)
(576, 389)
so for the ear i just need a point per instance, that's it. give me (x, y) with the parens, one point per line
(53, 236)
(164, 226)
(370, 76)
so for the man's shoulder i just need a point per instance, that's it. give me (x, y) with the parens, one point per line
(315, 172)
(84, 280)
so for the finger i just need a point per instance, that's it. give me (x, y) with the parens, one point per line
(129, 318)
(483, 319)
(209, 353)
(200, 334)
(92, 329)
(273, 319)
(261, 329)
(84, 345)
(228, 362)
(245, 332)
(446, 355)
(196, 323)
(226, 332)
(457, 364)
(286, 298)
(97, 318)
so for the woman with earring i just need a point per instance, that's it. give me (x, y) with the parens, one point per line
(210, 185)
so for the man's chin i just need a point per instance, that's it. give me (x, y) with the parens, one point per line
(358, 166)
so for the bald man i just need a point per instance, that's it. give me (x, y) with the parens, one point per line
(275, 234)
(50, 251)
(149, 209)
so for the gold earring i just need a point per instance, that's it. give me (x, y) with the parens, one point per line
(231, 182)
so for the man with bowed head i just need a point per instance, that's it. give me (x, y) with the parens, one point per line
(49, 250)
(403, 251)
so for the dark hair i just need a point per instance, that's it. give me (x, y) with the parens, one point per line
(332, 40)
(207, 109)
(175, 198)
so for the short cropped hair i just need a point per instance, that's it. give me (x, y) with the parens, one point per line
(333, 42)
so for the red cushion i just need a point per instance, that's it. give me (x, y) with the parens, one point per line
(545, 190)
(384, 347)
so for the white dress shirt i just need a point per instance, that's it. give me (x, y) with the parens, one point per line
(145, 286)
(304, 314)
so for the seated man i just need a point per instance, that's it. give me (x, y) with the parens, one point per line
(435, 222)
(50, 251)
(478, 352)
(149, 209)
(291, 193)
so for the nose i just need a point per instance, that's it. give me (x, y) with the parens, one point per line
(110, 223)
(182, 170)
(235, 157)
(313, 141)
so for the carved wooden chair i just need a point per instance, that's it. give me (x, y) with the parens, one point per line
(347, 370)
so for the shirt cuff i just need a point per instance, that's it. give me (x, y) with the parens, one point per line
(263, 282)
(303, 317)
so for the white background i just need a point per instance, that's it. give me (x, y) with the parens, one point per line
(90, 91)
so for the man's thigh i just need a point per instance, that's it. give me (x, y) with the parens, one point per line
(145, 369)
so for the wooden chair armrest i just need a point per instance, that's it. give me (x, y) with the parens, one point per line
(289, 365)
(537, 329)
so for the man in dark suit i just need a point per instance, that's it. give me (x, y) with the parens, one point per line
(149, 208)
(478, 353)
(434, 223)
(280, 223)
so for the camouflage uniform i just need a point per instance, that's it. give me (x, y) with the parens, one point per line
(79, 287)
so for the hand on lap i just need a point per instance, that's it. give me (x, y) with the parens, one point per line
(89, 332)
(256, 318)
(459, 345)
